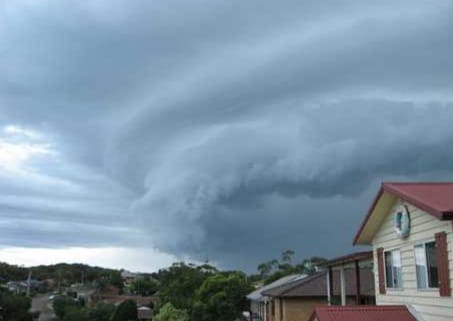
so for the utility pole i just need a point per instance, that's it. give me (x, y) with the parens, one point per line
(28, 283)
(59, 281)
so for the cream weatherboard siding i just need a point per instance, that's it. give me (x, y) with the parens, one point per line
(427, 302)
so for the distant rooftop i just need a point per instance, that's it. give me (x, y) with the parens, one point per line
(257, 294)
(316, 285)
(350, 258)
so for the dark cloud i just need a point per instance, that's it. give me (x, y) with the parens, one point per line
(217, 129)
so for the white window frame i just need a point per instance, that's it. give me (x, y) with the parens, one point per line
(423, 243)
(400, 287)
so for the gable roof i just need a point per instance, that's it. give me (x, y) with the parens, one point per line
(435, 199)
(257, 295)
(316, 285)
(362, 313)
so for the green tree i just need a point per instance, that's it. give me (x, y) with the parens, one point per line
(75, 313)
(101, 312)
(287, 256)
(126, 311)
(14, 307)
(180, 282)
(309, 265)
(169, 313)
(61, 304)
(144, 286)
(222, 297)
(266, 268)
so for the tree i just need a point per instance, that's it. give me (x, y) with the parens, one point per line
(109, 278)
(74, 313)
(287, 256)
(14, 307)
(267, 267)
(101, 312)
(144, 286)
(222, 297)
(180, 282)
(61, 304)
(126, 311)
(169, 313)
(309, 265)
(264, 269)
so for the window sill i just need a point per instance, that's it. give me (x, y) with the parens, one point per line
(428, 289)
(395, 289)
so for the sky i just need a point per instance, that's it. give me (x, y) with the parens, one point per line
(138, 133)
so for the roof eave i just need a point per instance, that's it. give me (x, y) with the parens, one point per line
(367, 217)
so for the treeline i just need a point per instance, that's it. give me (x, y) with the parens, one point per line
(62, 274)
(184, 292)
(274, 269)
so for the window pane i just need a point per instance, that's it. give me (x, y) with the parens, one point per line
(397, 274)
(420, 266)
(431, 258)
(388, 270)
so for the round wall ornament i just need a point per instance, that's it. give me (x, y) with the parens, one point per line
(402, 222)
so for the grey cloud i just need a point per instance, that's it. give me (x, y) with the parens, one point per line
(224, 129)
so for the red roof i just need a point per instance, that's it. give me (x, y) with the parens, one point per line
(362, 313)
(435, 198)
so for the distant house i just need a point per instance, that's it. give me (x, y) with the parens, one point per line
(129, 277)
(21, 286)
(295, 301)
(410, 228)
(144, 313)
(125, 274)
(259, 303)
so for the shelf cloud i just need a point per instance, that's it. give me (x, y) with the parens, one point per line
(219, 130)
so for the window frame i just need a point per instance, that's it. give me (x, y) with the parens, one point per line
(426, 274)
(393, 288)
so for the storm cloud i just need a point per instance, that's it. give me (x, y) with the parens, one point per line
(220, 130)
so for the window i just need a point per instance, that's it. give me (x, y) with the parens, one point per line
(393, 274)
(426, 265)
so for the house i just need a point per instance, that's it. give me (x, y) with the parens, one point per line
(22, 286)
(259, 304)
(409, 226)
(294, 301)
(362, 313)
(144, 313)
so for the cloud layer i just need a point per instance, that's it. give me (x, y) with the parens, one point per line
(218, 130)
